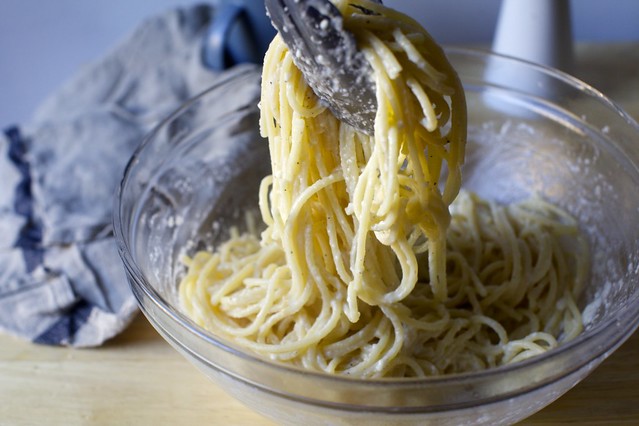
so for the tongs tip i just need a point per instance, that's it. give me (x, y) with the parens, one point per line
(328, 57)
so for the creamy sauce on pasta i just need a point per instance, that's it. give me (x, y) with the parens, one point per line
(371, 262)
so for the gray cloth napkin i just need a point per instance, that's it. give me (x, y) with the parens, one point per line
(61, 281)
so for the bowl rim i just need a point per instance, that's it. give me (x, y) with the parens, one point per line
(173, 312)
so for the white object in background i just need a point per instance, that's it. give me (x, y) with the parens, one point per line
(536, 30)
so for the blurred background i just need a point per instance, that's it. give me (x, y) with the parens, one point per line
(43, 42)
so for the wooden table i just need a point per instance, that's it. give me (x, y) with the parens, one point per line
(138, 379)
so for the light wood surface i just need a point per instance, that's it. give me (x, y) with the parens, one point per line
(138, 379)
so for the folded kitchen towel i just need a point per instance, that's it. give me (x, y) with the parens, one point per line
(61, 281)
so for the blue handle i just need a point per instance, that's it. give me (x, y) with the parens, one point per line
(232, 38)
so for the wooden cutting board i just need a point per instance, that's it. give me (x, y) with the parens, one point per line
(138, 379)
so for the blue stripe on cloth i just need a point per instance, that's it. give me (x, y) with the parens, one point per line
(64, 330)
(30, 237)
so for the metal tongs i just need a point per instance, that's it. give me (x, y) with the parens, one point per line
(328, 58)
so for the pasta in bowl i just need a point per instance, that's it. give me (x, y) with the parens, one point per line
(198, 176)
(365, 267)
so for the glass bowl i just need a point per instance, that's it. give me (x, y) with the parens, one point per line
(531, 130)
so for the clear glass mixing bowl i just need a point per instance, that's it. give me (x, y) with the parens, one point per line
(531, 129)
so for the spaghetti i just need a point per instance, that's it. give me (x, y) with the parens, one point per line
(361, 268)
